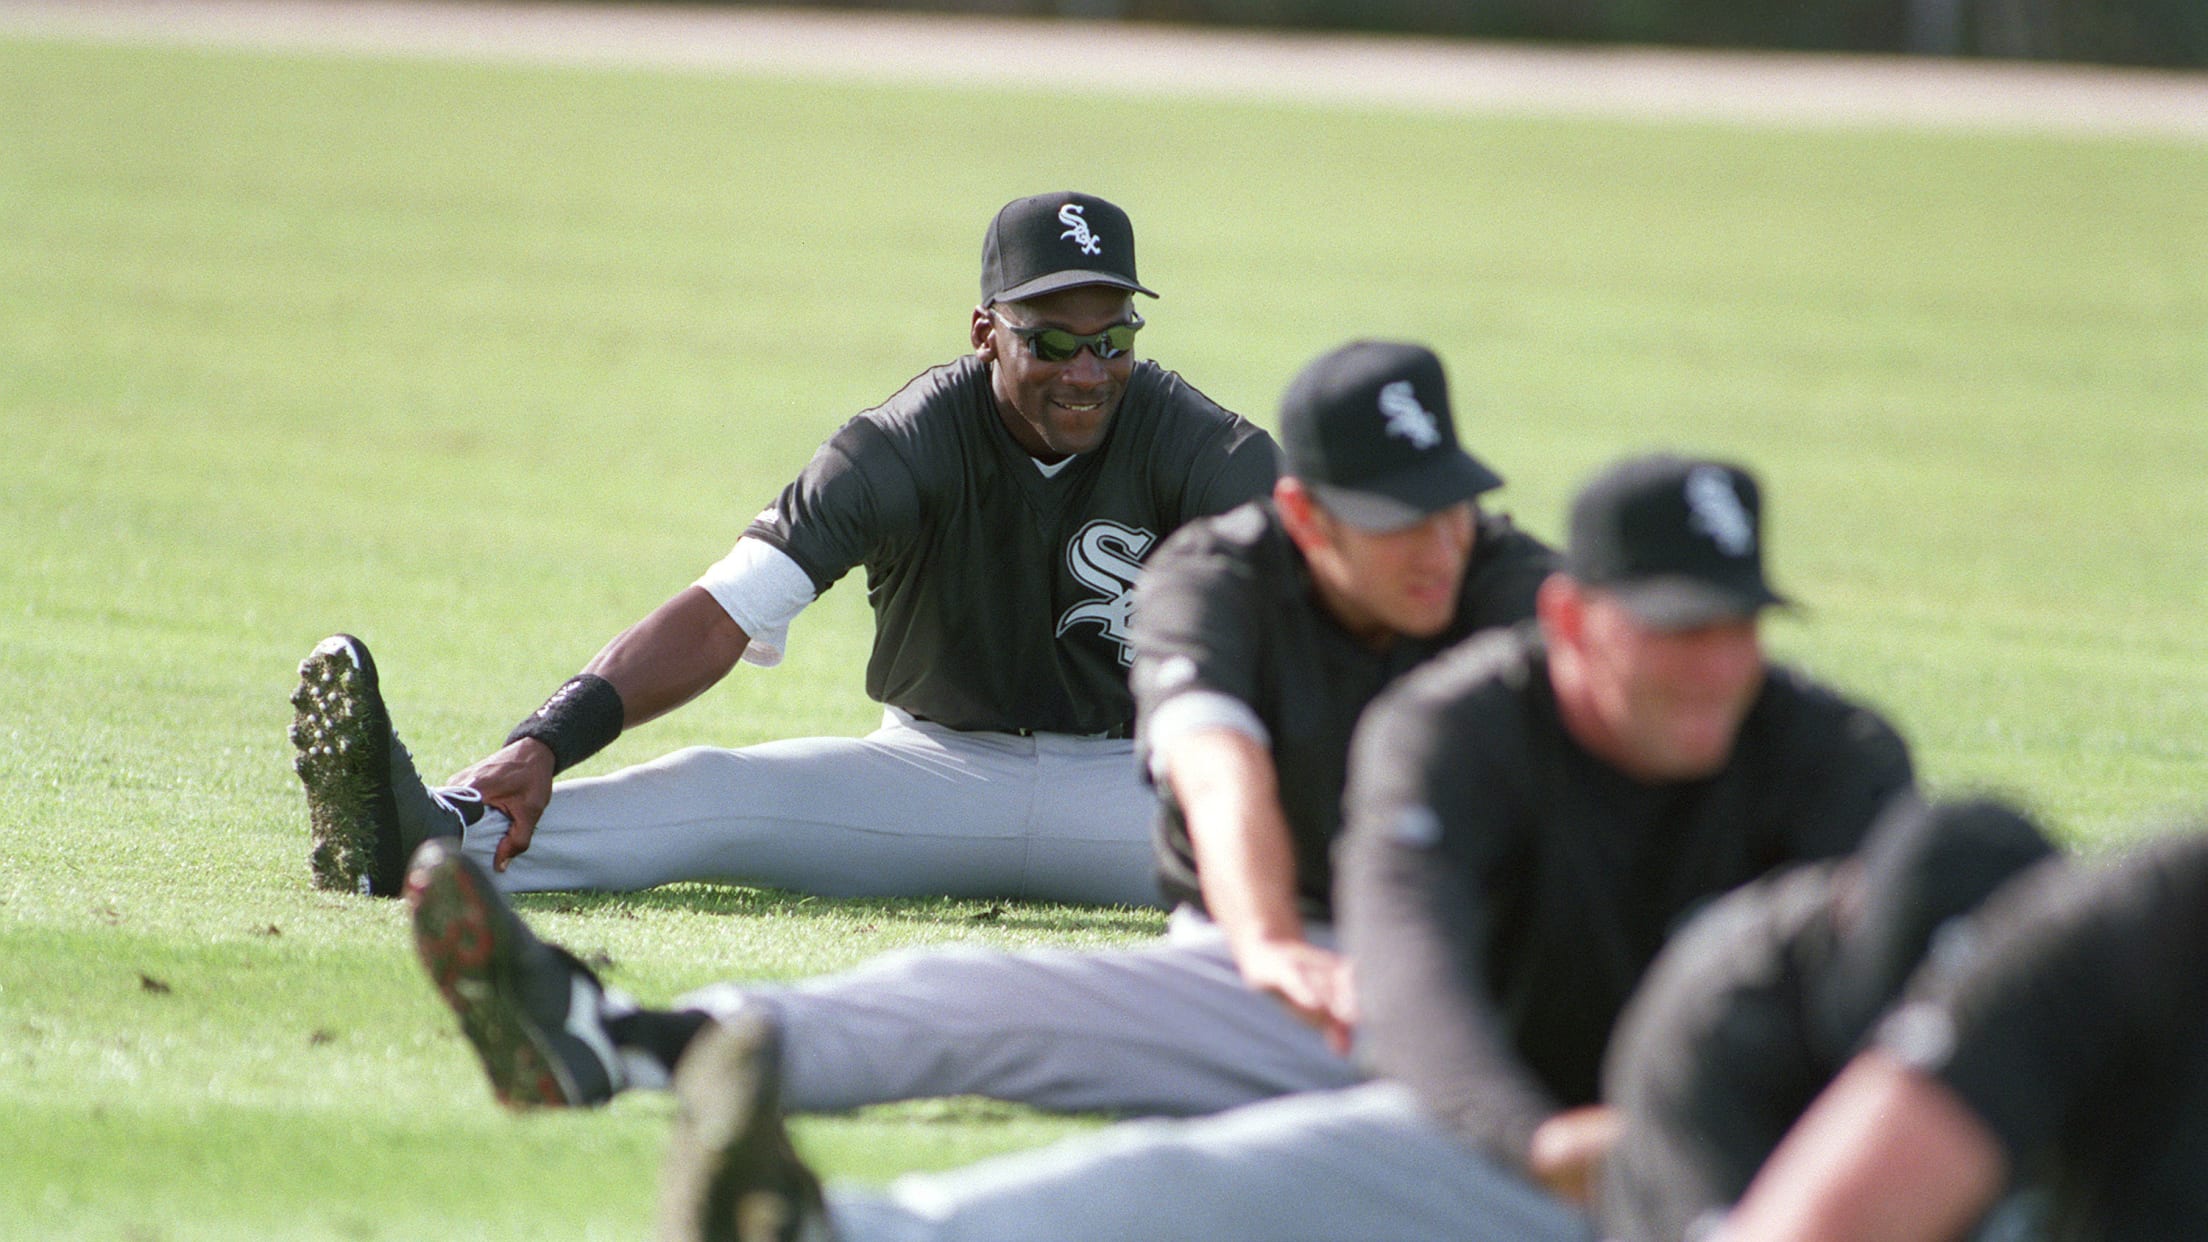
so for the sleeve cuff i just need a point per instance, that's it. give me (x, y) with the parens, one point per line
(762, 590)
(1191, 712)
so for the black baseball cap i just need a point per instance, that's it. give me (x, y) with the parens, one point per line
(1367, 428)
(1049, 242)
(1679, 541)
(1922, 865)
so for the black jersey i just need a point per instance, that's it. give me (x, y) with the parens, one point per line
(1228, 608)
(1717, 1055)
(1502, 890)
(2074, 1023)
(1000, 595)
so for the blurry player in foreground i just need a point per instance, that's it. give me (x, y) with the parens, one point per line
(2067, 1049)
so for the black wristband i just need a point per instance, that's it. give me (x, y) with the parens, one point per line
(580, 719)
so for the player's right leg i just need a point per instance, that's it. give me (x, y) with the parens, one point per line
(1360, 1163)
(367, 809)
(904, 812)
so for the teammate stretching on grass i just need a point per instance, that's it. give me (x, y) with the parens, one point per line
(1757, 1003)
(1261, 635)
(1001, 506)
(1527, 818)
(2064, 1049)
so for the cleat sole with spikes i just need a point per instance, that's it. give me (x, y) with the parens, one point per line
(342, 739)
(487, 966)
(731, 1174)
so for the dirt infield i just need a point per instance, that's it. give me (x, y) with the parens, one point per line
(1157, 61)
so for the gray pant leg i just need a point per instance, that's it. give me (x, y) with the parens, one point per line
(1360, 1164)
(908, 811)
(1167, 1028)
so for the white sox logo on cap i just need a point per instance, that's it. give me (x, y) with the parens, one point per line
(1077, 228)
(1718, 512)
(1106, 557)
(1407, 419)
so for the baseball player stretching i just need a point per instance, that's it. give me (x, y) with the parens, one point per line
(1261, 634)
(2061, 1049)
(1754, 1006)
(1527, 816)
(1002, 507)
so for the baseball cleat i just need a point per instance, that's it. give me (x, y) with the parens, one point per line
(366, 805)
(536, 1015)
(731, 1174)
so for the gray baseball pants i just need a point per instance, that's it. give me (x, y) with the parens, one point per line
(910, 810)
(1166, 1028)
(1362, 1163)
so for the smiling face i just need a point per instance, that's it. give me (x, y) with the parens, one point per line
(1055, 409)
(1658, 704)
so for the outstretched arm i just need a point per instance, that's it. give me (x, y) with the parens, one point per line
(676, 653)
(670, 657)
(1885, 1153)
(1228, 790)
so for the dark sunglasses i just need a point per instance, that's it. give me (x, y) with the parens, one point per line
(1059, 345)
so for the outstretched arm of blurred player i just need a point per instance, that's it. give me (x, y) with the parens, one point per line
(676, 653)
(1886, 1153)
(1228, 790)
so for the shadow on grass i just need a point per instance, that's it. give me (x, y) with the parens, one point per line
(731, 900)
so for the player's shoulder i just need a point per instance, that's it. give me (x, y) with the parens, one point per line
(1473, 688)
(1248, 530)
(1505, 661)
(1503, 543)
(1162, 408)
(1151, 386)
(1800, 714)
(1507, 570)
(937, 400)
(924, 435)
(1767, 930)
(1246, 545)
(2155, 891)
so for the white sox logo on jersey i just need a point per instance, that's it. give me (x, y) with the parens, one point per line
(1106, 557)
(1077, 228)
(1718, 512)
(1408, 419)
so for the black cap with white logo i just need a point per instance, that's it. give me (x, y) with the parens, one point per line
(1679, 541)
(1367, 428)
(1050, 242)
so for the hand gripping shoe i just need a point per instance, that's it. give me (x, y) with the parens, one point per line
(731, 1174)
(536, 1015)
(366, 806)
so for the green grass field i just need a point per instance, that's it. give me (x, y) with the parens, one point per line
(482, 363)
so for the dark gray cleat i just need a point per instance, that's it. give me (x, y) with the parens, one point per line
(731, 1174)
(366, 806)
(536, 1015)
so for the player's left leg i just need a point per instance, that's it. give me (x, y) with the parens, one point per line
(730, 1173)
(536, 1016)
(1090, 832)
